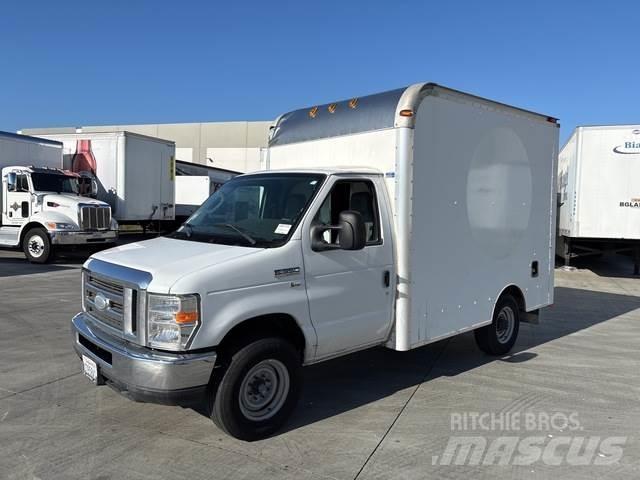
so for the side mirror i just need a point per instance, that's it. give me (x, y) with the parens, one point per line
(94, 188)
(353, 232)
(12, 180)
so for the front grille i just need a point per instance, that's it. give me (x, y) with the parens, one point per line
(116, 306)
(94, 218)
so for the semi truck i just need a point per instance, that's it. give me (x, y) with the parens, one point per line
(42, 209)
(439, 220)
(598, 194)
(135, 173)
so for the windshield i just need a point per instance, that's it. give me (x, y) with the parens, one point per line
(54, 182)
(257, 210)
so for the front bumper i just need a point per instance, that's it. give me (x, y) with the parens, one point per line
(142, 373)
(59, 237)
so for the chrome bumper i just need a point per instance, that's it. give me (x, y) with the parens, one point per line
(83, 238)
(143, 373)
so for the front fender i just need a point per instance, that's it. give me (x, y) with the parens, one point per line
(225, 310)
(51, 216)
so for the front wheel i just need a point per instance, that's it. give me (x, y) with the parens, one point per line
(499, 337)
(37, 246)
(258, 390)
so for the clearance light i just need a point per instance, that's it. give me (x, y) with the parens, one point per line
(313, 112)
(353, 103)
(406, 113)
(53, 204)
(332, 108)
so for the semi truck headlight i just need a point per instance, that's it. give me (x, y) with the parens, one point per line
(61, 226)
(172, 320)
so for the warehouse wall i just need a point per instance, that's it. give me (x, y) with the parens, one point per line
(230, 145)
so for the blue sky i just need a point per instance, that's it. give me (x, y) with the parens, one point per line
(69, 63)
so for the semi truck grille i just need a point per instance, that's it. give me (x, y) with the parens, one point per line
(95, 218)
(110, 303)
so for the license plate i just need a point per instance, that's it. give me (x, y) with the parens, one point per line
(90, 369)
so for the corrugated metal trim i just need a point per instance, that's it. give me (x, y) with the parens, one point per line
(372, 112)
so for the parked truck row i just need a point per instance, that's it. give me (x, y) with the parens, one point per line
(74, 190)
(439, 221)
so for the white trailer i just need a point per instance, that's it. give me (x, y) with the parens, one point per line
(194, 184)
(135, 173)
(599, 192)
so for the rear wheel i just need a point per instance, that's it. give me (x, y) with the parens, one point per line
(259, 389)
(499, 337)
(37, 246)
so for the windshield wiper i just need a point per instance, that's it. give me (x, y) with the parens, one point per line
(244, 235)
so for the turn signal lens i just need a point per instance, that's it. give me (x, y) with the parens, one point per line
(186, 317)
(406, 113)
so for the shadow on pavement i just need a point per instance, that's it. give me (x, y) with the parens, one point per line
(609, 265)
(346, 383)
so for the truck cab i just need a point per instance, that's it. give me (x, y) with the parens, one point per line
(42, 210)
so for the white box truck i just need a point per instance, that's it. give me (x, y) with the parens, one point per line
(42, 209)
(599, 192)
(439, 221)
(135, 173)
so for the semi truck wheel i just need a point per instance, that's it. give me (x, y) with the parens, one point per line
(499, 337)
(37, 246)
(259, 389)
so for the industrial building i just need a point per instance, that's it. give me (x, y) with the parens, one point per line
(233, 146)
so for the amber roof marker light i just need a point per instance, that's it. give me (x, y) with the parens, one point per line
(313, 112)
(353, 103)
(332, 108)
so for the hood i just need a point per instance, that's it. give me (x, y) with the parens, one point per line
(169, 259)
(70, 200)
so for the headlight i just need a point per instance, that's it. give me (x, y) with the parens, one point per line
(61, 226)
(172, 320)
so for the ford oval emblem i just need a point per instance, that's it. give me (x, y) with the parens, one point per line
(101, 302)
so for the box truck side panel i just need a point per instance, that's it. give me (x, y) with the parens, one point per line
(609, 191)
(28, 151)
(483, 182)
(148, 181)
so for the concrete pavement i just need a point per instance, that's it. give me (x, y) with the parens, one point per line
(374, 414)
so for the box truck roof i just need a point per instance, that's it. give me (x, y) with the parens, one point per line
(394, 108)
(27, 138)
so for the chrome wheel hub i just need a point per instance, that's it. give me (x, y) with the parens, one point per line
(35, 245)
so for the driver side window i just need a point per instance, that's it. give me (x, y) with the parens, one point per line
(358, 195)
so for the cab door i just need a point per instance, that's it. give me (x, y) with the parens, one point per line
(350, 293)
(17, 202)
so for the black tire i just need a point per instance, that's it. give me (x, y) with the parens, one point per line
(230, 411)
(499, 338)
(34, 241)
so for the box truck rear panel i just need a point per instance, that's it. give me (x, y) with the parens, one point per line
(473, 193)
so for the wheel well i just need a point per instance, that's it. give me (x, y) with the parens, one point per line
(30, 226)
(279, 324)
(516, 293)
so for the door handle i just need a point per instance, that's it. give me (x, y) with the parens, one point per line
(386, 278)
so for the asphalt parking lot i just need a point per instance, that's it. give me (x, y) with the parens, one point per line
(374, 414)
